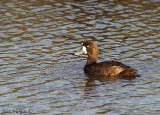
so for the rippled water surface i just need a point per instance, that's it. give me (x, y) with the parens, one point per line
(39, 74)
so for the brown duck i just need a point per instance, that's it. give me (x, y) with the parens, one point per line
(107, 68)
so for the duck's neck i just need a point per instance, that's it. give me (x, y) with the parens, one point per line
(92, 56)
(91, 60)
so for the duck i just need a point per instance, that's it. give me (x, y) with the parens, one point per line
(106, 68)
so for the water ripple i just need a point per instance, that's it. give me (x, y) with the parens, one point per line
(38, 70)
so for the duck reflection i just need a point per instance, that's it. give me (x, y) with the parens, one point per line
(91, 81)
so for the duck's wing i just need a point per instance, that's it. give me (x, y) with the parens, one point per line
(127, 71)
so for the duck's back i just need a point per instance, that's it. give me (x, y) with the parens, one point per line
(110, 68)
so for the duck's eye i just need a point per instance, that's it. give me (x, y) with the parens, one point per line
(88, 46)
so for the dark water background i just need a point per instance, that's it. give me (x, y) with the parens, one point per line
(38, 72)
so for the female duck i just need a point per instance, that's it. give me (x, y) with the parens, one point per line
(107, 68)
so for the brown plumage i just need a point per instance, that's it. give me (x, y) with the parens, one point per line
(107, 68)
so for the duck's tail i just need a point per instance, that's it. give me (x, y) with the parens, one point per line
(129, 73)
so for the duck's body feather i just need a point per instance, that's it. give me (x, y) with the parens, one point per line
(110, 68)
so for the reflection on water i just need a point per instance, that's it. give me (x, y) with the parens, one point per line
(38, 72)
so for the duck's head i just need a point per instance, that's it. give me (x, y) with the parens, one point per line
(91, 49)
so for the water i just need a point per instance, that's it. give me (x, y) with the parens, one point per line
(39, 74)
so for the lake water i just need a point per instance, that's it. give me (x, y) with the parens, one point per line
(40, 76)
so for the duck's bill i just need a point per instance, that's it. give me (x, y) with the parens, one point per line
(82, 51)
(79, 52)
